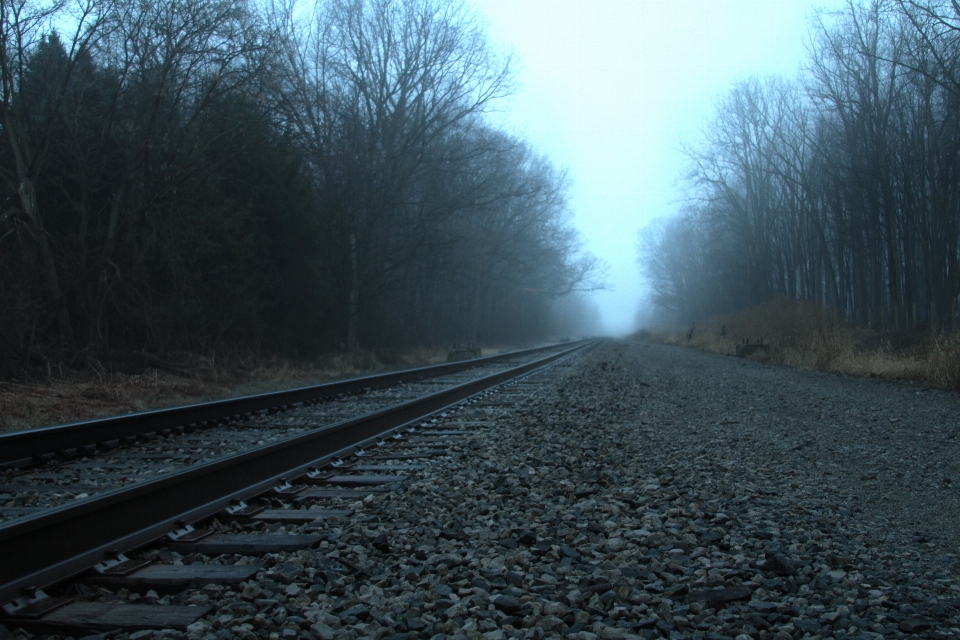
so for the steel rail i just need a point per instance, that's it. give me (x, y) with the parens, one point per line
(21, 448)
(64, 541)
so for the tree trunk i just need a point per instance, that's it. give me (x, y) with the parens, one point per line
(28, 200)
(478, 281)
(353, 305)
(95, 336)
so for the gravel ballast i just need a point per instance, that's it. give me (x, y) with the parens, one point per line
(639, 490)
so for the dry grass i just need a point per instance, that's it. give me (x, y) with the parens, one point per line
(62, 394)
(944, 360)
(807, 335)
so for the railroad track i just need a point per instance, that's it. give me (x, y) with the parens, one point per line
(250, 463)
(57, 465)
(38, 447)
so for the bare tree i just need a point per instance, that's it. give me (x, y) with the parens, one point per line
(25, 28)
(843, 188)
(174, 64)
(377, 84)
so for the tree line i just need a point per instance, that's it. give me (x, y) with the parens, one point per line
(189, 174)
(841, 186)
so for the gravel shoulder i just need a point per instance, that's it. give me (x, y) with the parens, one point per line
(641, 490)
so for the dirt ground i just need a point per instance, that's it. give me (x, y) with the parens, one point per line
(62, 395)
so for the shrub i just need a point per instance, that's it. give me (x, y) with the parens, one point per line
(805, 334)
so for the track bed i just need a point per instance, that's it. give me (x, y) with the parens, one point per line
(636, 491)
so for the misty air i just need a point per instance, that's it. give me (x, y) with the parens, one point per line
(479, 319)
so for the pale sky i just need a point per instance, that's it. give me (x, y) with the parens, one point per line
(610, 89)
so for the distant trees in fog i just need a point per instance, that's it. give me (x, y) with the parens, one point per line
(193, 173)
(841, 187)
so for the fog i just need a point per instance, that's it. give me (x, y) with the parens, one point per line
(611, 91)
(378, 174)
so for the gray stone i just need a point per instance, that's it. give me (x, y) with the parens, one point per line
(914, 625)
(506, 604)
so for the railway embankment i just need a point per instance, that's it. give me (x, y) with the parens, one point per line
(638, 490)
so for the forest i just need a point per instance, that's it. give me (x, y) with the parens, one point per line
(192, 175)
(840, 187)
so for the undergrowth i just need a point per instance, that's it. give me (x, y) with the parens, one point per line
(59, 393)
(800, 333)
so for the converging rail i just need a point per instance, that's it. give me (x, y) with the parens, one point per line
(36, 446)
(63, 541)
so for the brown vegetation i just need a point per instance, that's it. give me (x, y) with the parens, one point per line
(62, 394)
(808, 335)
